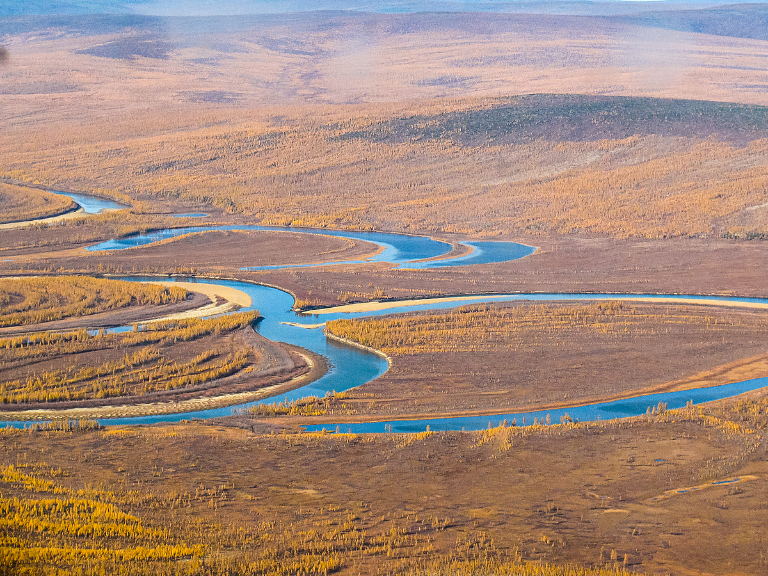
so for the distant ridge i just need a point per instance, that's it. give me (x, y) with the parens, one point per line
(242, 7)
(735, 20)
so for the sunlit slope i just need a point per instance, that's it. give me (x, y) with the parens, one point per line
(406, 122)
(616, 166)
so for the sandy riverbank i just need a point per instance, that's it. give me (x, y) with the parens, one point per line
(223, 299)
(50, 220)
(362, 307)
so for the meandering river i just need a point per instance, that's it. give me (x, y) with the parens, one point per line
(351, 367)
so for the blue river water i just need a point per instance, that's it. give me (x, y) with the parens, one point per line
(400, 249)
(351, 367)
(589, 413)
(90, 204)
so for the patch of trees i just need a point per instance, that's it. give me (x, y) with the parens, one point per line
(34, 300)
(493, 327)
(19, 203)
(48, 528)
(143, 366)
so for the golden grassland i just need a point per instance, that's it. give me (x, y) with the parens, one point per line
(309, 406)
(411, 129)
(492, 358)
(353, 58)
(486, 327)
(48, 527)
(197, 499)
(450, 152)
(470, 160)
(27, 301)
(637, 185)
(18, 203)
(74, 366)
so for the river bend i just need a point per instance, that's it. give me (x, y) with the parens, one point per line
(351, 366)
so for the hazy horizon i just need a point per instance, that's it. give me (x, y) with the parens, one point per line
(245, 7)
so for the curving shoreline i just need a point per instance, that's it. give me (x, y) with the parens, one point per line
(224, 299)
(212, 299)
(305, 387)
(75, 212)
(239, 298)
(139, 410)
(377, 306)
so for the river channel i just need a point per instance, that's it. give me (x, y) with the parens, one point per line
(404, 251)
(350, 366)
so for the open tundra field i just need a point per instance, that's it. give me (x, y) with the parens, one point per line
(627, 147)
(418, 122)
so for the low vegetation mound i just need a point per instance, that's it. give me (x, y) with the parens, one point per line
(164, 356)
(20, 203)
(483, 327)
(26, 301)
(574, 118)
(503, 357)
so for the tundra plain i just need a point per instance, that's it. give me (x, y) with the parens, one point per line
(629, 149)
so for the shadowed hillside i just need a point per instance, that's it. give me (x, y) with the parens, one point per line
(736, 20)
(572, 118)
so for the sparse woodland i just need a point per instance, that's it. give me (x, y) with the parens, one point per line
(54, 367)
(35, 300)
(18, 203)
(406, 123)
(181, 499)
(625, 168)
(488, 327)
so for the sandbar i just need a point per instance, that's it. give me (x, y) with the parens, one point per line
(671, 299)
(224, 299)
(50, 220)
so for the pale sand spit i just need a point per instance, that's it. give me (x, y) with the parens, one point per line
(52, 220)
(232, 298)
(376, 306)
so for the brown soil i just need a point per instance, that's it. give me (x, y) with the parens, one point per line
(562, 264)
(659, 349)
(585, 369)
(273, 366)
(211, 252)
(557, 495)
